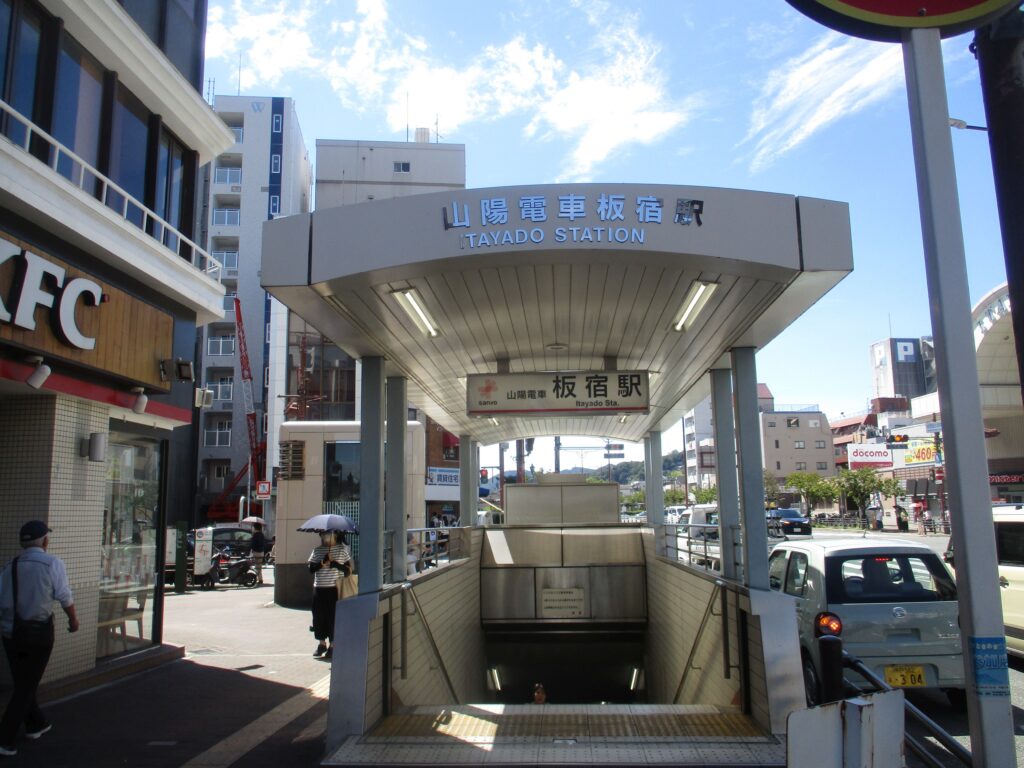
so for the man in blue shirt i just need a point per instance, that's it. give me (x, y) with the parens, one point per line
(27, 595)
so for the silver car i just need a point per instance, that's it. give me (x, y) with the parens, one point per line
(891, 602)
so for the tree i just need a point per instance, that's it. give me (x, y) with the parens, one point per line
(804, 482)
(859, 484)
(705, 495)
(771, 489)
(891, 487)
(675, 496)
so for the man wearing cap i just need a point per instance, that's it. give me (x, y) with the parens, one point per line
(41, 578)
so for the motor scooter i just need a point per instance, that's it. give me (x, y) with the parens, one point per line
(229, 569)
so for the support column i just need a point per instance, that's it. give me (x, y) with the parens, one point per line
(981, 620)
(371, 477)
(725, 466)
(394, 492)
(655, 492)
(751, 474)
(647, 474)
(469, 484)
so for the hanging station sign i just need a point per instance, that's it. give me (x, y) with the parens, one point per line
(887, 20)
(578, 393)
(54, 309)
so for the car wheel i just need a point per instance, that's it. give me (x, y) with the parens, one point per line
(812, 687)
(957, 699)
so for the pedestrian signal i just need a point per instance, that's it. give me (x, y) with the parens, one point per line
(483, 475)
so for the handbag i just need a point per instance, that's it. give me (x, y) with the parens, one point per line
(27, 633)
(348, 586)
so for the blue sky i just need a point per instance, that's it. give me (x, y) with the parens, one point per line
(752, 96)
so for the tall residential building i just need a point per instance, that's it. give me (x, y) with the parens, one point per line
(310, 378)
(264, 174)
(698, 431)
(903, 367)
(103, 285)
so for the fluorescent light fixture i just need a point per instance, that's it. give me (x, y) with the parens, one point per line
(634, 678)
(622, 418)
(493, 421)
(698, 295)
(495, 680)
(411, 301)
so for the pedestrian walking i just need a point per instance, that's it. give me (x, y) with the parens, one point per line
(328, 562)
(259, 546)
(31, 583)
(919, 518)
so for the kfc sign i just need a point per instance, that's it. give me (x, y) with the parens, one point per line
(41, 283)
(873, 455)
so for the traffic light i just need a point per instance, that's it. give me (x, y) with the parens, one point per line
(898, 441)
(483, 475)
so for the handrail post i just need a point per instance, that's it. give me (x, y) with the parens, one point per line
(830, 651)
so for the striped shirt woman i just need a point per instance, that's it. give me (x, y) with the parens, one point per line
(327, 562)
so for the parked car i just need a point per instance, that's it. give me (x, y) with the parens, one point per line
(892, 603)
(790, 521)
(1008, 520)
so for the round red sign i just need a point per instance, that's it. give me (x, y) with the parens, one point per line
(888, 19)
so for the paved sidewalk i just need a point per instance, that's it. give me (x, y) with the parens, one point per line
(248, 693)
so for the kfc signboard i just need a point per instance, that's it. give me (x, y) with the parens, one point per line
(875, 456)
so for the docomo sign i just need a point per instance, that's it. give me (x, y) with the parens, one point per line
(28, 292)
(887, 20)
(874, 456)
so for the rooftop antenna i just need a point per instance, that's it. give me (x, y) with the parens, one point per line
(437, 133)
(239, 74)
(406, 117)
(211, 89)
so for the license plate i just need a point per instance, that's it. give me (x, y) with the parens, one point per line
(905, 676)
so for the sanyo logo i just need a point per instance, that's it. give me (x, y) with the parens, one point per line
(41, 283)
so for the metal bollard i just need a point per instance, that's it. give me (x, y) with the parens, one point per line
(830, 651)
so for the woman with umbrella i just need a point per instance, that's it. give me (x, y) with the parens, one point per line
(327, 562)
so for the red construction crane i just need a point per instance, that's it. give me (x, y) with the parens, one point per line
(222, 508)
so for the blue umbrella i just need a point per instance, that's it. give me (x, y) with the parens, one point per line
(324, 523)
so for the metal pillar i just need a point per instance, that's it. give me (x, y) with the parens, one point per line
(751, 475)
(371, 477)
(469, 483)
(725, 466)
(981, 620)
(394, 492)
(647, 474)
(655, 492)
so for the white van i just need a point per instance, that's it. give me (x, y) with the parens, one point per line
(1008, 520)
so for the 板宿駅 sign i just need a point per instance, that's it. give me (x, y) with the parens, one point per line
(538, 219)
(579, 392)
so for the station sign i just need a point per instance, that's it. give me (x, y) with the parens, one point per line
(873, 455)
(604, 217)
(579, 393)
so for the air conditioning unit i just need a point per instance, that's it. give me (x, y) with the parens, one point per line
(203, 398)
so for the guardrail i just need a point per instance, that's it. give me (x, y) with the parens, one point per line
(76, 171)
(695, 544)
(954, 747)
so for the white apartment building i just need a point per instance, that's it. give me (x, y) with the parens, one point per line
(264, 174)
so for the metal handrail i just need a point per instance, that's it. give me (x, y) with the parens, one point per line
(674, 532)
(955, 748)
(708, 613)
(407, 588)
(152, 224)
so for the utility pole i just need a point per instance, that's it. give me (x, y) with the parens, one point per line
(520, 461)
(999, 48)
(558, 454)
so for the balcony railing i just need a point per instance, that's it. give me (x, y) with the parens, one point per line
(227, 217)
(36, 142)
(217, 438)
(227, 175)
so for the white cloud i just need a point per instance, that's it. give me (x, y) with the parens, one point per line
(614, 97)
(835, 78)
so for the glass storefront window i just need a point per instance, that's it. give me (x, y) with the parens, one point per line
(129, 546)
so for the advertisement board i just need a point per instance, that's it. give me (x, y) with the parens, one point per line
(873, 455)
(204, 551)
(920, 452)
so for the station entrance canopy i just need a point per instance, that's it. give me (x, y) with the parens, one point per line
(558, 278)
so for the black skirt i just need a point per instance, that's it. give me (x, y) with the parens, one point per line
(325, 600)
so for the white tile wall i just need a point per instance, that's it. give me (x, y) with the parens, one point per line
(42, 476)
